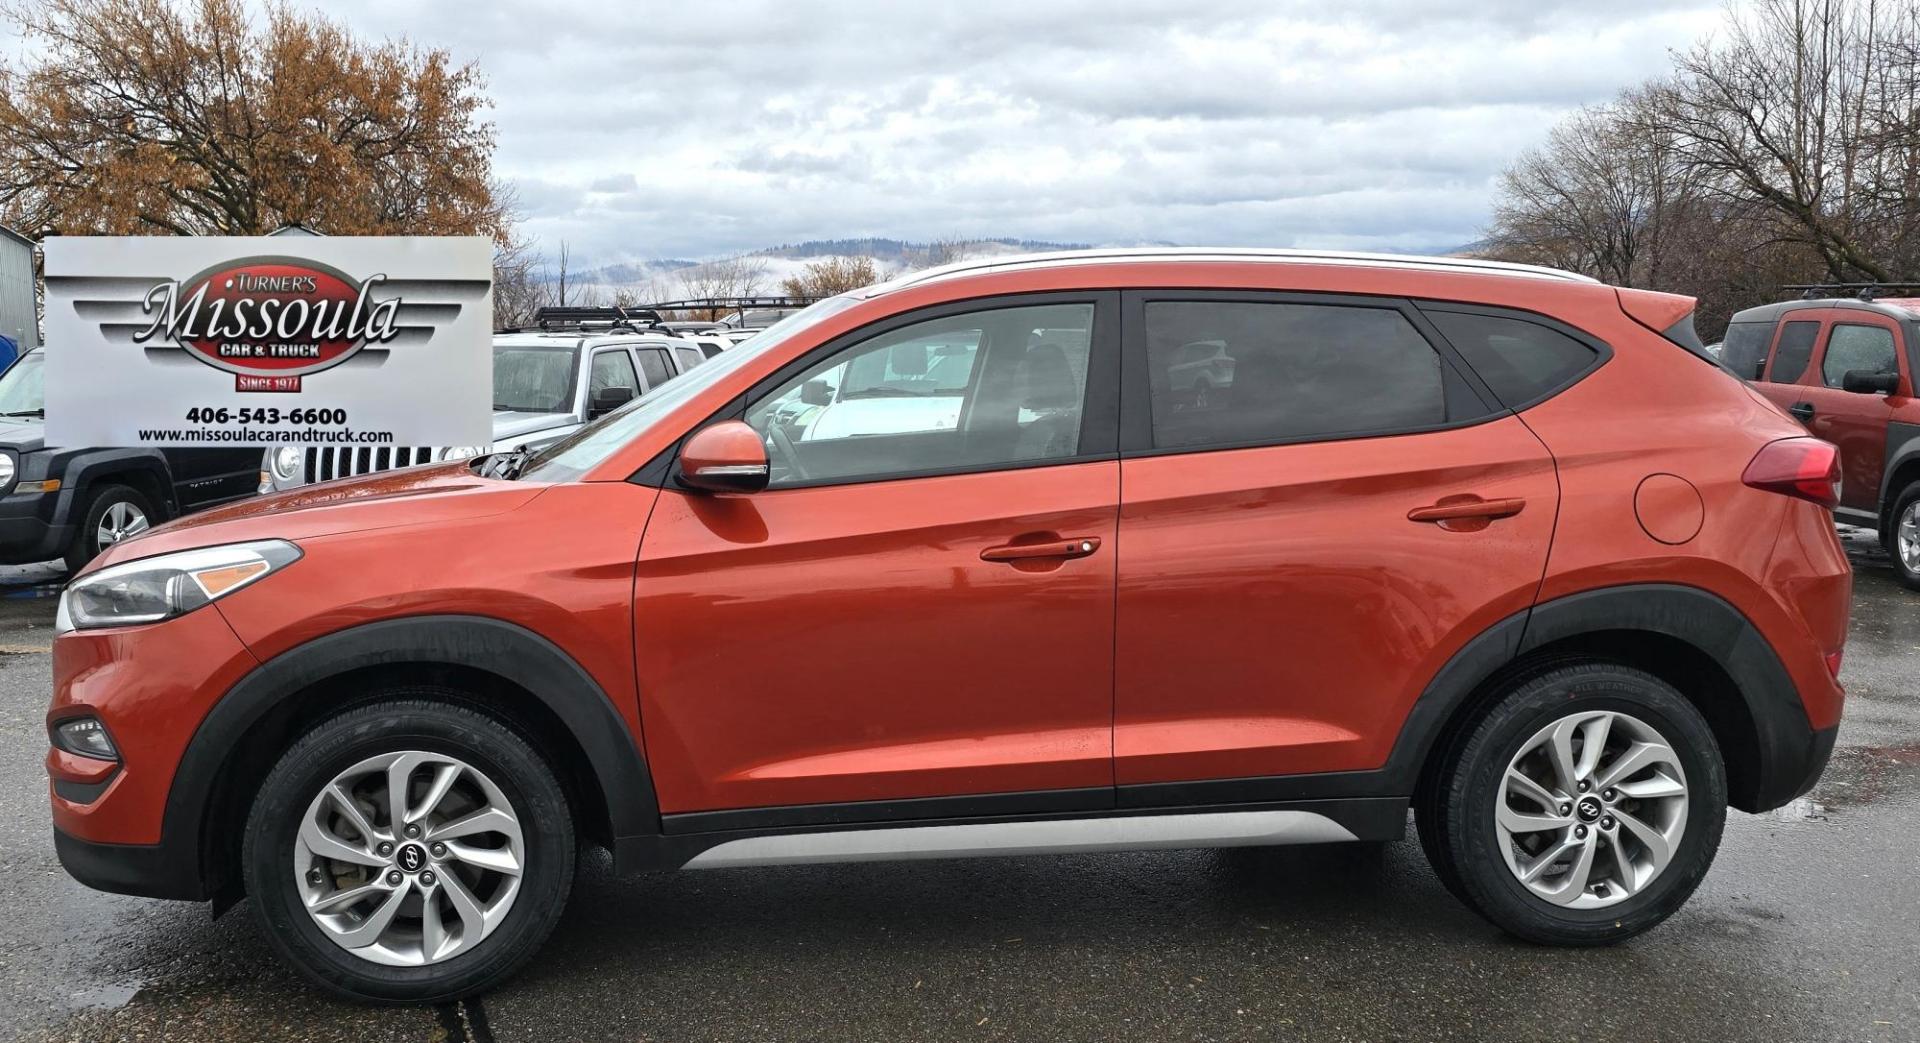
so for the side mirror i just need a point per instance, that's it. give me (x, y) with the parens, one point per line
(1869, 382)
(608, 399)
(728, 457)
(816, 392)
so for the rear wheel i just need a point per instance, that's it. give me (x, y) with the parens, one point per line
(1583, 809)
(1902, 536)
(114, 512)
(409, 851)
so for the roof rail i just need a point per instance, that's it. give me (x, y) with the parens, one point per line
(614, 318)
(1240, 254)
(1865, 291)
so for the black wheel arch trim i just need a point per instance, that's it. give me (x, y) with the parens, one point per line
(498, 647)
(1903, 447)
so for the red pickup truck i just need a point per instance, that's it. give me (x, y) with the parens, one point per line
(1847, 367)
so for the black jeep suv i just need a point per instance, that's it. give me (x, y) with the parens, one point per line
(74, 503)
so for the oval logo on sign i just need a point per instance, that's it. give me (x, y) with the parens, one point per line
(270, 317)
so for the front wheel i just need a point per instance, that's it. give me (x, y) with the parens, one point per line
(113, 513)
(1583, 809)
(409, 851)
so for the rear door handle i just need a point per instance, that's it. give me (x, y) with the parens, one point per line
(1467, 513)
(1803, 411)
(1079, 547)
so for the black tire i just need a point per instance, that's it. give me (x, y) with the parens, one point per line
(85, 545)
(409, 719)
(1888, 536)
(1456, 812)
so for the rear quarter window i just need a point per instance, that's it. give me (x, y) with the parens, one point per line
(1744, 350)
(1522, 361)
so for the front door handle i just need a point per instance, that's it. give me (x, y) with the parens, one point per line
(1467, 513)
(1078, 547)
(1802, 411)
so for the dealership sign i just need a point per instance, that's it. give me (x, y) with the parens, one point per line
(225, 341)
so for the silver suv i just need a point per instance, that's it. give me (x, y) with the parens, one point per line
(545, 385)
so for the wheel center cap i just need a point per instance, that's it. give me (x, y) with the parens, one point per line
(1589, 808)
(411, 857)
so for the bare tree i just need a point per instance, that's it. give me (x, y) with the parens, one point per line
(1786, 150)
(517, 292)
(831, 276)
(1795, 111)
(743, 276)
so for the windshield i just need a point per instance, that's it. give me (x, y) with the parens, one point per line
(533, 378)
(20, 388)
(579, 453)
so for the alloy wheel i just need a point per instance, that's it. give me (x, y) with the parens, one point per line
(409, 858)
(1906, 537)
(1591, 809)
(121, 520)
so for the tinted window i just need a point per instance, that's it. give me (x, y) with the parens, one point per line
(1234, 373)
(1791, 355)
(1857, 347)
(1520, 360)
(612, 369)
(973, 391)
(653, 362)
(1744, 351)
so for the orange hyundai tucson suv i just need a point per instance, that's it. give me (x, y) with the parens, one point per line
(963, 564)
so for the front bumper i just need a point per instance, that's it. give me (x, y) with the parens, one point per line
(31, 527)
(151, 686)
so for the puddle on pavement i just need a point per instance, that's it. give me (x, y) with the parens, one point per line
(104, 997)
(1864, 774)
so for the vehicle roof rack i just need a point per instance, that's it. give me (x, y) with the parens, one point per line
(1865, 291)
(634, 320)
(733, 303)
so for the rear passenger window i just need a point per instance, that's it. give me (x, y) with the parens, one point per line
(1744, 351)
(653, 362)
(1247, 373)
(689, 357)
(1857, 347)
(1521, 361)
(1791, 355)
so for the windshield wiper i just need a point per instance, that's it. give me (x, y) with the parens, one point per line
(507, 465)
(27, 412)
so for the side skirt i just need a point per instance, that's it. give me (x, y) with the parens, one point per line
(1294, 822)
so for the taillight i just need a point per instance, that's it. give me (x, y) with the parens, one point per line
(1803, 467)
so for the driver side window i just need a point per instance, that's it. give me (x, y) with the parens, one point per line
(965, 392)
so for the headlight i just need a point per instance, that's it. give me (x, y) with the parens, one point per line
(7, 470)
(167, 585)
(461, 452)
(286, 462)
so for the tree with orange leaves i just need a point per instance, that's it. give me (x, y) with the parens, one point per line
(135, 117)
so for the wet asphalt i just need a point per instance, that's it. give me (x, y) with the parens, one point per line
(1808, 928)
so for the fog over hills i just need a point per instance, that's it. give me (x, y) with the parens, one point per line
(762, 271)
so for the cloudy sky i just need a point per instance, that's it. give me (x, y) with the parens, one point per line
(641, 130)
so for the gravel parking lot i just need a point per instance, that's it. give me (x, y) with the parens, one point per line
(1805, 929)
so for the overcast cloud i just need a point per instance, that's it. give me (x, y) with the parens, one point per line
(647, 130)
